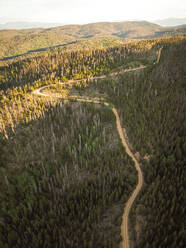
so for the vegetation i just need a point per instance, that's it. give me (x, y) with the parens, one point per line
(104, 34)
(64, 180)
(152, 106)
(14, 42)
(64, 65)
(64, 175)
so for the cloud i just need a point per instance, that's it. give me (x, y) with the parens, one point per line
(83, 11)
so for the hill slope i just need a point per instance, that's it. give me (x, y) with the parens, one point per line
(63, 175)
(14, 42)
(152, 105)
(99, 35)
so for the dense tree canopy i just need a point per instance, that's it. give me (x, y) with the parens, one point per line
(64, 175)
(152, 105)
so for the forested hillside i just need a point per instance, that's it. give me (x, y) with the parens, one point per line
(63, 65)
(14, 42)
(62, 189)
(152, 105)
(19, 42)
(64, 180)
(64, 175)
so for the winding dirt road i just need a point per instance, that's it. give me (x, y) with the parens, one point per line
(38, 91)
(124, 226)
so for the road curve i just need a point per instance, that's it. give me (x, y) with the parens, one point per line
(38, 91)
(124, 226)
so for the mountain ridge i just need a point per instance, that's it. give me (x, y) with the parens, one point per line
(171, 22)
(27, 25)
(15, 42)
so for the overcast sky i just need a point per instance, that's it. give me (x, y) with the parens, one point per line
(85, 11)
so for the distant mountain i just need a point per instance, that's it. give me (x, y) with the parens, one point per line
(171, 22)
(15, 42)
(28, 25)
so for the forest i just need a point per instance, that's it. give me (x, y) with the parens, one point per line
(59, 64)
(65, 65)
(152, 106)
(64, 185)
(64, 175)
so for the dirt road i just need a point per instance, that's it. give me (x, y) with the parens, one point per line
(124, 226)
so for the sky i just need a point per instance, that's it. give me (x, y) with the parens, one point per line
(86, 11)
